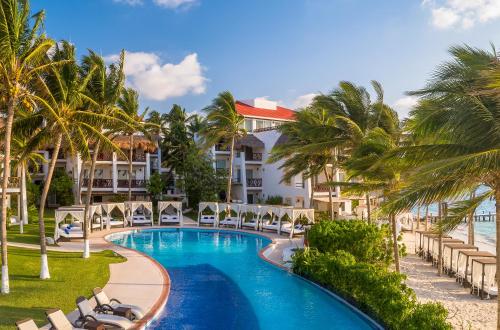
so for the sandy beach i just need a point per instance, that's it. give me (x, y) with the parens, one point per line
(466, 311)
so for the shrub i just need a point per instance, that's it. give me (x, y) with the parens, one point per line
(366, 242)
(62, 186)
(274, 200)
(375, 290)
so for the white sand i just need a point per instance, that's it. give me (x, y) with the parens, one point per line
(466, 311)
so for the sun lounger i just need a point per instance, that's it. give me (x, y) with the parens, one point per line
(27, 324)
(73, 230)
(59, 321)
(273, 226)
(86, 312)
(109, 305)
(251, 223)
(116, 223)
(230, 221)
(207, 219)
(140, 220)
(169, 219)
(297, 230)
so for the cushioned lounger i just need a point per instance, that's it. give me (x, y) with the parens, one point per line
(86, 312)
(58, 320)
(108, 305)
(27, 324)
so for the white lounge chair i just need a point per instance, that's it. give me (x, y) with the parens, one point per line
(73, 230)
(230, 221)
(27, 324)
(140, 220)
(270, 225)
(250, 223)
(86, 313)
(59, 321)
(297, 230)
(207, 219)
(109, 305)
(116, 223)
(169, 219)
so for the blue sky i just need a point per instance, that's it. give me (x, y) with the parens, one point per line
(186, 51)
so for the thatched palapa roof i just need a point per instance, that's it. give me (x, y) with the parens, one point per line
(250, 141)
(140, 142)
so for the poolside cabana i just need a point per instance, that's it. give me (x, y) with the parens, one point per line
(464, 263)
(210, 219)
(139, 213)
(273, 220)
(295, 214)
(232, 214)
(75, 228)
(107, 208)
(250, 216)
(450, 255)
(435, 246)
(175, 218)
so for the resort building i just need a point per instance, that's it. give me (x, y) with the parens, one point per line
(112, 169)
(254, 180)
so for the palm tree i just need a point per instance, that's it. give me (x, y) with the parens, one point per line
(102, 94)
(459, 109)
(22, 56)
(224, 125)
(129, 104)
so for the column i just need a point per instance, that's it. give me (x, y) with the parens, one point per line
(243, 176)
(147, 173)
(114, 173)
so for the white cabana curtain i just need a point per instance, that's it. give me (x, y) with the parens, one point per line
(213, 206)
(131, 207)
(77, 213)
(163, 205)
(107, 208)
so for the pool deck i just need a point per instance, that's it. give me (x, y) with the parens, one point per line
(140, 280)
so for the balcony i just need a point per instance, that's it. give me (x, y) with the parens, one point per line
(107, 157)
(134, 183)
(254, 183)
(14, 182)
(99, 183)
(136, 157)
(322, 188)
(220, 147)
(253, 157)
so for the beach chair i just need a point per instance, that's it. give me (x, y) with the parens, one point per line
(107, 305)
(87, 313)
(58, 320)
(27, 324)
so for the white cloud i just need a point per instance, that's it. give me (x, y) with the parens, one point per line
(448, 14)
(159, 81)
(303, 100)
(170, 4)
(405, 104)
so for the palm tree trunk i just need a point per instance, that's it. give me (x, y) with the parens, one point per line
(418, 217)
(44, 265)
(368, 208)
(230, 178)
(427, 218)
(311, 201)
(80, 182)
(86, 245)
(497, 211)
(470, 225)
(330, 198)
(5, 184)
(440, 241)
(24, 197)
(130, 155)
(395, 241)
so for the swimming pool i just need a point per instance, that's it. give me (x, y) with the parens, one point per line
(220, 282)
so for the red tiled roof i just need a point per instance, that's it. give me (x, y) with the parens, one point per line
(249, 111)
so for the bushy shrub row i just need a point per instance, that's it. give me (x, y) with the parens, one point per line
(366, 242)
(374, 289)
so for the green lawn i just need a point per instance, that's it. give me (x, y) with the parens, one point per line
(71, 276)
(31, 230)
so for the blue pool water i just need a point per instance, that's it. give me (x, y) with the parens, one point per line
(220, 282)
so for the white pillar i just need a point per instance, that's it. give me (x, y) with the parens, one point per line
(147, 174)
(45, 165)
(114, 173)
(243, 176)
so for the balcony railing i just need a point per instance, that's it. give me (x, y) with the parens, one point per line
(99, 183)
(105, 157)
(254, 157)
(14, 182)
(254, 183)
(136, 157)
(134, 183)
(322, 188)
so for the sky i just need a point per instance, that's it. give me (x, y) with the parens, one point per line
(187, 51)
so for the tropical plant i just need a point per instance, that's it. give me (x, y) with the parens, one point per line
(155, 186)
(23, 50)
(62, 187)
(224, 125)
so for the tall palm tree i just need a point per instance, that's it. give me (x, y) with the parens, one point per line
(224, 125)
(460, 109)
(129, 104)
(102, 94)
(22, 56)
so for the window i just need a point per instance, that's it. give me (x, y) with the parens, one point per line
(288, 201)
(220, 164)
(248, 124)
(267, 123)
(260, 124)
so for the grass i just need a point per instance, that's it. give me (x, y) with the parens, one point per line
(71, 276)
(30, 235)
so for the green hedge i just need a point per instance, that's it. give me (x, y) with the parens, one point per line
(366, 242)
(373, 289)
